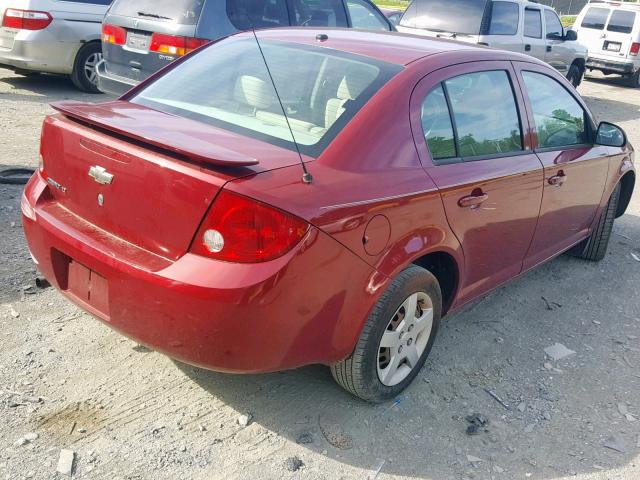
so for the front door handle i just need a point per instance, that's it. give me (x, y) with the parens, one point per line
(527, 48)
(474, 200)
(549, 48)
(558, 180)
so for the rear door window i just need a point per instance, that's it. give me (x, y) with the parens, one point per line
(560, 120)
(484, 114)
(364, 15)
(185, 12)
(554, 27)
(247, 14)
(319, 13)
(472, 115)
(227, 85)
(621, 21)
(505, 17)
(532, 23)
(595, 18)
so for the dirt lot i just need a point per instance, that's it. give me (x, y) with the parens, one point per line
(129, 413)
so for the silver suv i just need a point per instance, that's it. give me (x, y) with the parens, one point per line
(53, 36)
(516, 25)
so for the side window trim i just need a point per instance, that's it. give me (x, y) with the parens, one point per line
(589, 124)
(475, 158)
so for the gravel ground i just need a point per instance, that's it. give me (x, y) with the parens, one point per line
(128, 413)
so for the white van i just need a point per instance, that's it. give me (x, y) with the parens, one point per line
(611, 32)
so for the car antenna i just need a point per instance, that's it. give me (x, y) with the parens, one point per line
(306, 176)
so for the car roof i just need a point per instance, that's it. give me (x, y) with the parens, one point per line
(390, 47)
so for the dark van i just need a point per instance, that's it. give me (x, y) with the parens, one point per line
(139, 37)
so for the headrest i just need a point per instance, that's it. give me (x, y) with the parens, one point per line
(355, 81)
(254, 92)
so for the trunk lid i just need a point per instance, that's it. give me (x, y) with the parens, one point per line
(143, 176)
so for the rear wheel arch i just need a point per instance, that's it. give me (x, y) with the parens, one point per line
(627, 184)
(445, 268)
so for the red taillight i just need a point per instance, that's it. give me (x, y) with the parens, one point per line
(172, 45)
(114, 35)
(239, 229)
(635, 48)
(26, 19)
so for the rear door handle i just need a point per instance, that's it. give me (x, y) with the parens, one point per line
(558, 180)
(474, 200)
(527, 48)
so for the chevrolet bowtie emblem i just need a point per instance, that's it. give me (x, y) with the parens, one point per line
(100, 175)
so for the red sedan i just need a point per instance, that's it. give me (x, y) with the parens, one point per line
(244, 212)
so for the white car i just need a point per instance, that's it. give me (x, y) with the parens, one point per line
(611, 31)
(53, 36)
(515, 25)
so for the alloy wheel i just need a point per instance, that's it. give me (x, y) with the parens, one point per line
(405, 339)
(90, 67)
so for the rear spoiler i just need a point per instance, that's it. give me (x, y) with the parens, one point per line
(178, 135)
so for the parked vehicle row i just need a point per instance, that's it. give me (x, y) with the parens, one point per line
(143, 36)
(271, 213)
(140, 37)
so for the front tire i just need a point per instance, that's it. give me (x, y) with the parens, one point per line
(596, 245)
(84, 75)
(575, 74)
(396, 339)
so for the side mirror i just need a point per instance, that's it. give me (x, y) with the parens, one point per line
(571, 36)
(610, 135)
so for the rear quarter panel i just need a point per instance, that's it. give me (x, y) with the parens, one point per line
(371, 170)
(368, 183)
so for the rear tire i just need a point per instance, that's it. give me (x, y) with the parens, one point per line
(633, 80)
(375, 358)
(575, 74)
(84, 76)
(595, 247)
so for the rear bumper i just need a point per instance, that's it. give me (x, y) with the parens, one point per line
(610, 65)
(113, 84)
(35, 51)
(306, 307)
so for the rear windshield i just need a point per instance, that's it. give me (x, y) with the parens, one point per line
(454, 16)
(227, 85)
(595, 18)
(185, 12)
(621, 21)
